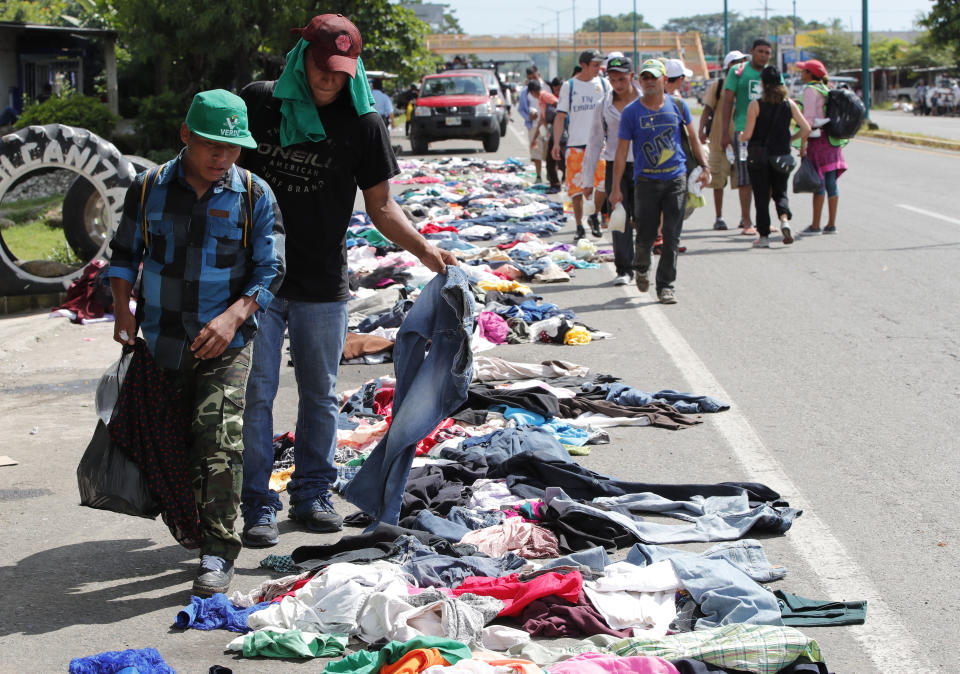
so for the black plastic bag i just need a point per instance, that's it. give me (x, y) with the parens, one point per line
(807, 178)
(108, 480)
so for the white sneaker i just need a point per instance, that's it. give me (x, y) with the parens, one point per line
(621, 280)
(762, 242)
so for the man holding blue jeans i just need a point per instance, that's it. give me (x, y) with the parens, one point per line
(319, 139)
(653, 124)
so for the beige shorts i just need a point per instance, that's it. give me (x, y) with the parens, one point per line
(538, 150)
(721, 170)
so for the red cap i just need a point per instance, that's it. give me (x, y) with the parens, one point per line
(334, 42)
(814, 67)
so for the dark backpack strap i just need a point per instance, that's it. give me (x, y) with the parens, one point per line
(148, 182)
(246, 177)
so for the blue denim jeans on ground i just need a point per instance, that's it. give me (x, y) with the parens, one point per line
(651, 199)
(710, 526)
(686, 403)
(746, 554)
(500, 445)
(430, 386)
(317, 333)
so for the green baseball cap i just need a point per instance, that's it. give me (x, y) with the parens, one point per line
(653, 66)
(221, 116)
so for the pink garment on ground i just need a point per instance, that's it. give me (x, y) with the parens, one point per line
(604, 663)
(516, 595)
(493, 327)
(526, 539)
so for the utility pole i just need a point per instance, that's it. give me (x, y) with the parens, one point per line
(865, 58)
(726, 28)
(599, 34)
(635, 59)
(573, 15)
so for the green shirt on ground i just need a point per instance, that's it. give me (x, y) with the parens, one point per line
(746, 87)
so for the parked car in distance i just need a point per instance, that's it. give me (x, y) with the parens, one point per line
(496, 93)
(454, 104)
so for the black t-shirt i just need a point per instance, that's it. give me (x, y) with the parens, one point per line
(316, 185)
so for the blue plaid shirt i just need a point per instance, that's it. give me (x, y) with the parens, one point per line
(195, 262)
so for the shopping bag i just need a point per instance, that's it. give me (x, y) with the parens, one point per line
(807, 178)
(108, 480)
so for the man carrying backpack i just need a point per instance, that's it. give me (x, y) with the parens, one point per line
(711, 131)
(741, 87)
(578, 98)
(211, 242)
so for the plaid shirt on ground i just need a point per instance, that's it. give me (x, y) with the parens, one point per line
(197, 260)
(764, 649)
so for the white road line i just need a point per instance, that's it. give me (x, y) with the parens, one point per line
(930, 214)
(883, 636)
(513, 128)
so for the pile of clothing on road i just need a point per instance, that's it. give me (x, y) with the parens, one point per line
(494, 220)
(503, 541)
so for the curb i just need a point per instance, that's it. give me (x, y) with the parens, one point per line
(925, 141)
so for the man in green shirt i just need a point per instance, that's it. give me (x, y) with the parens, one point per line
(741, 87)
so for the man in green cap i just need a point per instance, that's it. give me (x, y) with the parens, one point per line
(211, 241)
(319, 138)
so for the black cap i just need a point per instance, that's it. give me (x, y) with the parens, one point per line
(588, 55)
(620, 64)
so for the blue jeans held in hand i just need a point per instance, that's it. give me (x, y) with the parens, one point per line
(317, 334)
(651, 198)
(433, 366)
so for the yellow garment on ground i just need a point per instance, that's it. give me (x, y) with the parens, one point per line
(576, 336)
(280, 478)
(505, 287)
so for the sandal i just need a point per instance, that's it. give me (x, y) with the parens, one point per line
(749, 231)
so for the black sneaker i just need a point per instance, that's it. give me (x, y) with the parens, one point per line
(260, 527)
(643, 283)
(594, 221)
(318, 515)
(214, 576)
(581, 234)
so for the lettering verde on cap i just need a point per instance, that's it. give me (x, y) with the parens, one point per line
(653, 66)
(221, 116)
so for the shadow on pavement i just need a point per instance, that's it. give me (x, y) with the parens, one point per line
(48, 590)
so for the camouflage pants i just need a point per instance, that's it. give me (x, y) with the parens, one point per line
(217, 388)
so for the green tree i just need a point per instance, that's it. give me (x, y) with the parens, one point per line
(944, 24)
(837, 51)
(622, 23)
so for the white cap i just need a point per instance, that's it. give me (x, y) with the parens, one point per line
(675, 68)
(735, 55)
(614, 54)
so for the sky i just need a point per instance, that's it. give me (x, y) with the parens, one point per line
(503, 17)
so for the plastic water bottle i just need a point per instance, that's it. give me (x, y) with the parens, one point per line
(743, 151)
(730, 156)
(618, 219)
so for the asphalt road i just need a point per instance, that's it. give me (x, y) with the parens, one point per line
(907, 122)
(839, 356)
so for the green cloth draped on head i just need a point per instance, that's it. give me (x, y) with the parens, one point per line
(300, 120)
